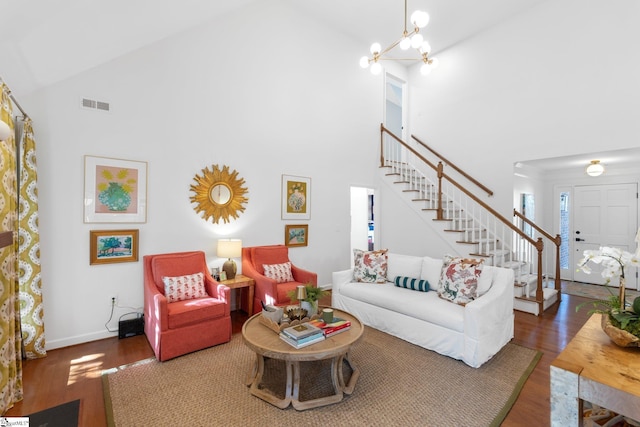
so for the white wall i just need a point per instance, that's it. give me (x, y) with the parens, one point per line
(260, 102)
(557, 80)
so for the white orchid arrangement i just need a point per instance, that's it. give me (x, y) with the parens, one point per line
(614, 260)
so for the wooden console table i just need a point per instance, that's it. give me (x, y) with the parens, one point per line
(592, 368)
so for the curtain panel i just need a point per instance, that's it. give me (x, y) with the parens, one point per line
(29, 275)
(10, 336)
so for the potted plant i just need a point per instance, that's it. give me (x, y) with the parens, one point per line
(620, 320)
(310, 303)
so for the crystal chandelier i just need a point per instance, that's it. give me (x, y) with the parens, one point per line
(413, 40)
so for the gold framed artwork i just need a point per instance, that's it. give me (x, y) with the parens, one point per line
(296, 235)
(296, 197)
(112, 246)
(115, 190)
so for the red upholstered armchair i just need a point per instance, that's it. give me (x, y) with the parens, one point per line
(199, 321)
(269, 290)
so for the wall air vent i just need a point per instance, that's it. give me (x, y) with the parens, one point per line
(95, 105)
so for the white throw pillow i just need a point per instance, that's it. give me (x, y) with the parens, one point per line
(281, 273)
(485, 280)
(183, 288)
(403, 266)
(431, 269)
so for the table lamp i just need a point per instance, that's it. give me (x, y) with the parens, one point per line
(229, 248)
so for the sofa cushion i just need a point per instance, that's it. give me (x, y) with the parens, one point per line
(181, 288)
(431, 270)
(370, 266)
(486, 279)
(412, 283)
(262, 255)
(425, 306)
(403, 265)
(459, 279)
(281, 273)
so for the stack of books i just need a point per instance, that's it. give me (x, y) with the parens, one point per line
(302, 335)
(336, 326)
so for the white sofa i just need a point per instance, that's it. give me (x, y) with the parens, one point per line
(472, 333)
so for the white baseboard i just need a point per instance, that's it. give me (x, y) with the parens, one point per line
(79, 339)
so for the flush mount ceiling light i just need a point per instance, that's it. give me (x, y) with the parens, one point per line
(595, 168)
(413, 40)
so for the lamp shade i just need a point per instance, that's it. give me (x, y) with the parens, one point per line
(301, 292)
(229, 248)
(595, 168)
(5, 131)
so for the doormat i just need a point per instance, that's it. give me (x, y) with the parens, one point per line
(65, 415)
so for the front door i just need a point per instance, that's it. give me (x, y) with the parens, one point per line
(605, 215)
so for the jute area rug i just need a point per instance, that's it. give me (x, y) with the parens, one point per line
(399, 384)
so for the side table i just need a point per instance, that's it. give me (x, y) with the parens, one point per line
(240, 282)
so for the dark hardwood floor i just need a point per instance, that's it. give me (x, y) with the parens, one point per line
(74, 372)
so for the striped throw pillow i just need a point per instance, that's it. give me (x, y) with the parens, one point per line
(411, 283)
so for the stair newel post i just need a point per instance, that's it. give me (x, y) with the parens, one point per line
(539, 294)
(558, 286)
(439, 214)
(381, 145)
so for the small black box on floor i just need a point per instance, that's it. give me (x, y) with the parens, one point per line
(131, 328)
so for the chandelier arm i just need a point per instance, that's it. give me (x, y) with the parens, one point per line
(396, 43)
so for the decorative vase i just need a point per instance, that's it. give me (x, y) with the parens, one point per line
(296, 201)
(619, 336)
(311, 307)
(115, 197)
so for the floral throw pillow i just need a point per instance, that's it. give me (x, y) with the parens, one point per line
(183, 288)
(370, 267)
(459, 279)
(281, 273)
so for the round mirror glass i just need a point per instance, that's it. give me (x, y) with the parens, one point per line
(220, 194)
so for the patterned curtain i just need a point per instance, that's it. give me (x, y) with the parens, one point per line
(10, 336)
(31, 309)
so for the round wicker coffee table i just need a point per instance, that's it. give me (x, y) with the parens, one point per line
(267, 345)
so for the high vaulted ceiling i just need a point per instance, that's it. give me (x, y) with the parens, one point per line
(46, 41)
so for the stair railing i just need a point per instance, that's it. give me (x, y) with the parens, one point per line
(557, 241)
(482, 225)
(452, 165)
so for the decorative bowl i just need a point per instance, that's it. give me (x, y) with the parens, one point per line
(619, 336)
(296, 313)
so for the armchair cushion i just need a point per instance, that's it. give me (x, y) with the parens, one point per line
(175, 265)
(186, 287)
(269, 255)
(281, 273)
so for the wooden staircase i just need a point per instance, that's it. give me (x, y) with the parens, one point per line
(476, 228)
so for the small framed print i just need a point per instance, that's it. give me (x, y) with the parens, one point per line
(296, 197)
(296, 235)
(115, 190)
(112, 246)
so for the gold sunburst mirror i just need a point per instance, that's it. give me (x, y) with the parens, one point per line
(219, 194)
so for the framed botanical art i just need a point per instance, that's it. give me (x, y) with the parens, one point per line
(296, 197)
(296, 235)
(115, 190)
(111, 246)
